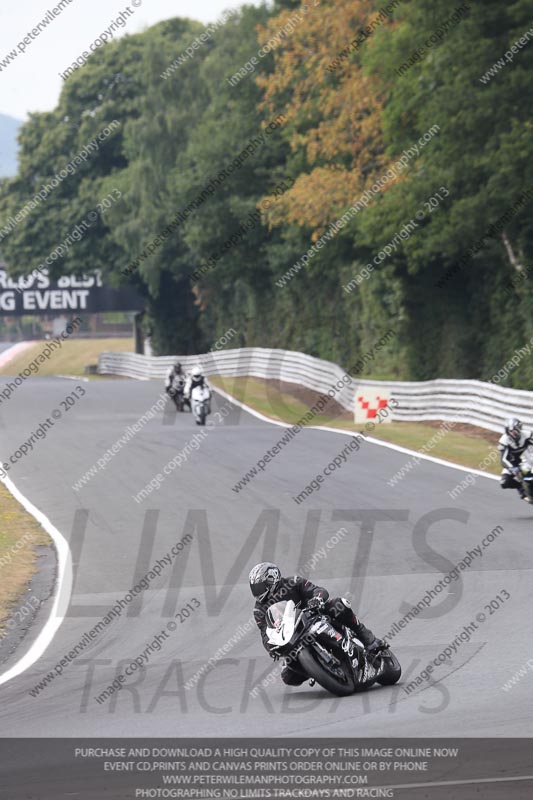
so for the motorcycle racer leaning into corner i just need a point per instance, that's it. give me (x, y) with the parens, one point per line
(269, 587)
(512, 446)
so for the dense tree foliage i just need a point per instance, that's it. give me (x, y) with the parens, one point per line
(259, 146)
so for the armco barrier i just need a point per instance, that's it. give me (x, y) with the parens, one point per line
(474, 402)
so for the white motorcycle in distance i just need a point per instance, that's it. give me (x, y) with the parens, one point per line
(335, 659)
(200, 403)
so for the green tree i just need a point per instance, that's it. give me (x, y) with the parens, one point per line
(459, 323)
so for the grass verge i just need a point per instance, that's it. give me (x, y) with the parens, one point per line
(70, 359)
(466, 444)
(20, 533)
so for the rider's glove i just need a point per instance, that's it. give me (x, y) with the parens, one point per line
(274, 655)
(517, 472)
(377, 644)
(316, 603)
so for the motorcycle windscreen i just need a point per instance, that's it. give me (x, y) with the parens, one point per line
(200, 393)
(276, 612)
(280, 622)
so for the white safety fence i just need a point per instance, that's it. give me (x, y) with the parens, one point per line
(474, 402)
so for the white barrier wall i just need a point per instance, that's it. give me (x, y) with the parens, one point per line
(474, 402)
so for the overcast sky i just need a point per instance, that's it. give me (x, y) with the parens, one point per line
(31, 82)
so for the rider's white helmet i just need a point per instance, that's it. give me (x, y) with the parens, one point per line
(196, 371)
(513, 429)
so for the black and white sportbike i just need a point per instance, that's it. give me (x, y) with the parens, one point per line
(332, 657)
(200, 403)
(526, 474)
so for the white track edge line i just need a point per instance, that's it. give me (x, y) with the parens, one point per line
(463, 782)
(12, 352)
(72, 378)
(369, 439)
(62, 589)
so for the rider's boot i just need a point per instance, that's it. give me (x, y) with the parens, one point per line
(522, 493)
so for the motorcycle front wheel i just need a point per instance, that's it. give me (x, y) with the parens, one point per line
(326, 679)
(391, 670)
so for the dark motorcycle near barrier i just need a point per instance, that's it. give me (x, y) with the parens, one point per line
(176, 392)
(332, 657)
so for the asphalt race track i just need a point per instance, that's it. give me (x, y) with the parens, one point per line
(397, 543)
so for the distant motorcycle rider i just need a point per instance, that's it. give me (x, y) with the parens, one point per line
(175, 381)
(173, 372)
(269, 587)
(512, 446)
(196, 378)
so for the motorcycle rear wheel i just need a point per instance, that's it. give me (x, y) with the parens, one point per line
(321, 675)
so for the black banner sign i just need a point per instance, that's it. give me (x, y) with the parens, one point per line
(38, 294)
